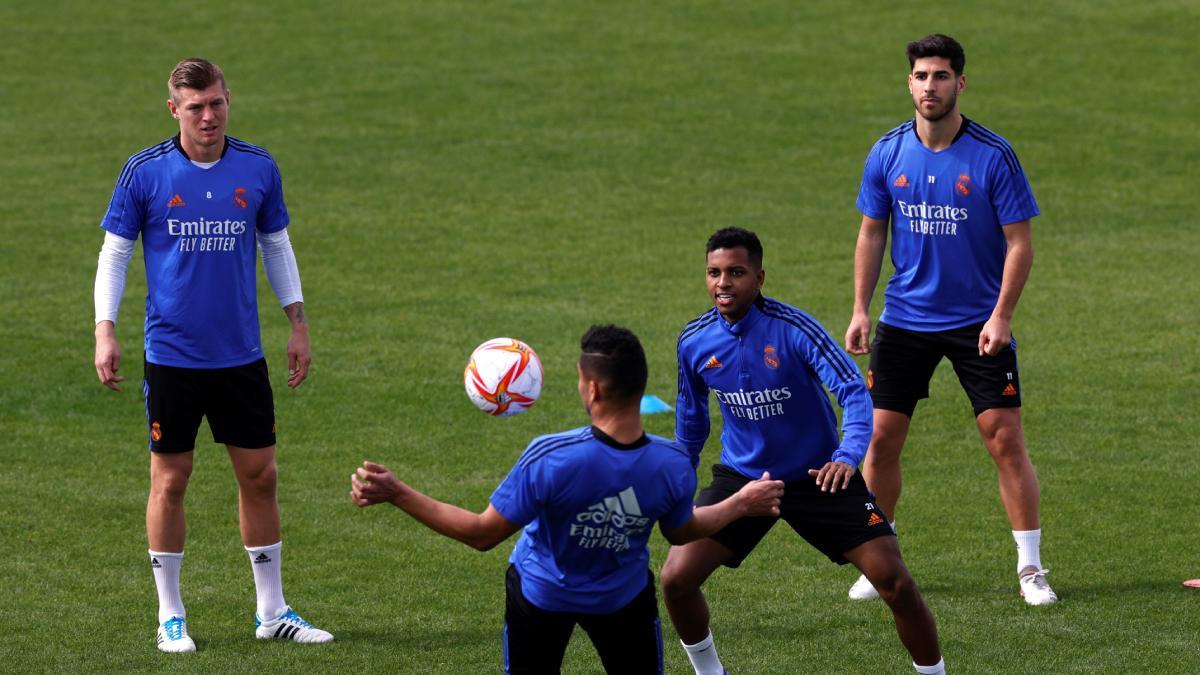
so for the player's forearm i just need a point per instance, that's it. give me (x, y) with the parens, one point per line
(295, 314)
(707, 520)
(1017, 264)
(445, 519)
(868, 262)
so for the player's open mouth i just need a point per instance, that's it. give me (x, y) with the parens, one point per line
(724, 298)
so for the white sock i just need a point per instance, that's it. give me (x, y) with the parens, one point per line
(703, 656)
(268, 582)
(938, 668)
(166, 578)
(1029, 548)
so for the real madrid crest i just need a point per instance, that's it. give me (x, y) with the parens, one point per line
(770, 357)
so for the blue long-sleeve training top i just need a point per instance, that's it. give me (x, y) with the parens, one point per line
(769, 372)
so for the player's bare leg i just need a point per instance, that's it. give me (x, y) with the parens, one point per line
(881, 466)
(881, 471)
(258, 516)
(165, 533)
(685, 571)
(879, 559)
(258, 509)
(1005, 440)
(1019, 492)
(165, 522)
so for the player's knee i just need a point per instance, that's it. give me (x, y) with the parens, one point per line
(898, 590)
(261, 480)
(169, 485)
(676, 584)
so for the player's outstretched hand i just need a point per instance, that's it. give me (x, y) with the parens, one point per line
(761, 497)
(858, 335)
(374, 484)
(833, 476)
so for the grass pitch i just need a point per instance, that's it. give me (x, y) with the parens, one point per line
(457, 171)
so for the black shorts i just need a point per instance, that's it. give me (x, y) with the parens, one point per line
(237, 402)
(833, 522)
(629, 640)
(903, 361)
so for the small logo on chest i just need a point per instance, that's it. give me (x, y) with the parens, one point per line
(963, 185)
(239, 197)
(770, 357)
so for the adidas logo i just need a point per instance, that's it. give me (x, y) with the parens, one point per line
(712, 362)
(154, 563)
(262, 558)
(176, 201)
(1010, 390)
(902, 181)
(874, 520)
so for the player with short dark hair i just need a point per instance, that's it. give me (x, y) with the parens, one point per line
(587, 499)
(960, 208)
(202, 202)
(771, 368)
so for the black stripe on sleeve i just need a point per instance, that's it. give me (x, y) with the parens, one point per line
(817, 335)
(540, 449)
(987, 138)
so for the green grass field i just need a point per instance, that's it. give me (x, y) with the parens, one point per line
(457, 171)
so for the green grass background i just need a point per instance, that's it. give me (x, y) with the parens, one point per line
(457, 171)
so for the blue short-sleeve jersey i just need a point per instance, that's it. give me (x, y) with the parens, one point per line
(198, 239)
(770, 373)
(947, 211)
(588, 504)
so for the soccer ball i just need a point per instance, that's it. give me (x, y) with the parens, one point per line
(503, 377)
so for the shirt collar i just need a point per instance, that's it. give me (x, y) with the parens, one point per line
(747, 322)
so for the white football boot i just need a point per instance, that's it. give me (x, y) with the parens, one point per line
(173, 637)
(289, 626)
(1034, 587)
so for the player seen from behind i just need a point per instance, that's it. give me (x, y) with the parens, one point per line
(587, 499)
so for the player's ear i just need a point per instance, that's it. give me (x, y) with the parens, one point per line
(762, 276)
(172, 108)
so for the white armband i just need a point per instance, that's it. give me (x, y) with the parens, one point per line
(110, 275)
(279, 261)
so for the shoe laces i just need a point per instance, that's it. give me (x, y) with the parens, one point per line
(174, 628)
(293, 617)
(1037, 578)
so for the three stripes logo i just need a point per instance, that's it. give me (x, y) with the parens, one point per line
(712, 362)
(262, 558)
(286, 631)
(874, 520)
(176, 201)
(1010, 390)
(154, 563)
(902, 181)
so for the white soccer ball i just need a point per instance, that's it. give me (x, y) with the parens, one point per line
(503, 377)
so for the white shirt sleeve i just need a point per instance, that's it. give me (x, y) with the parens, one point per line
(110, 275)
(279, 261)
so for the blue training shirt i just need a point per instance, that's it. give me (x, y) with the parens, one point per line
(769, 372)
(198, 239)
(588, 504)
(948, 209)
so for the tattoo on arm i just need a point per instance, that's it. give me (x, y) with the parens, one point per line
(295, 312)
